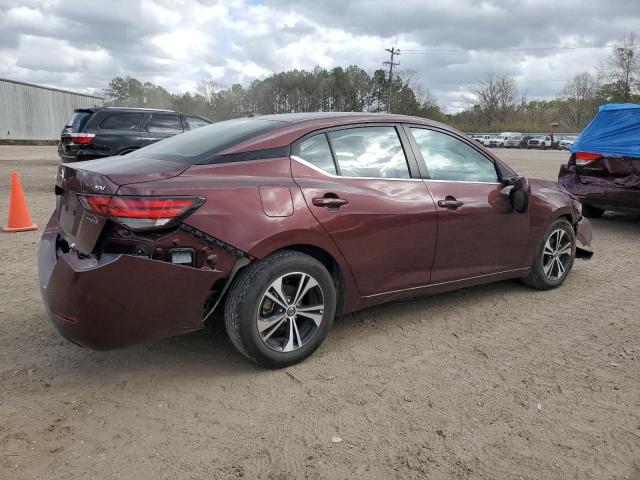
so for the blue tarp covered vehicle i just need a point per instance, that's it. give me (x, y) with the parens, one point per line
(604, 169)
(614, 132)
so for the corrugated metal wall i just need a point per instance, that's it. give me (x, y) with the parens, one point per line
(31, 112)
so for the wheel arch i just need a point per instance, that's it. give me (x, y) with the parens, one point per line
(328, 260)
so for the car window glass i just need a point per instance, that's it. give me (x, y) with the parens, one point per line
(447, 158)
(160, 123)
(195, 122)
(316, 151)
(201, 145)
(78, 121)
(121, 121)
(369, 152)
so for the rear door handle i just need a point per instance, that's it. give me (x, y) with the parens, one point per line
(329, 202)
(450, 203)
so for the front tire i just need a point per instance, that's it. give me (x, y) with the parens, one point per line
(280, 309)
(554, 258)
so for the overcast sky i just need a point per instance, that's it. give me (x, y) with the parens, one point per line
(81, 45)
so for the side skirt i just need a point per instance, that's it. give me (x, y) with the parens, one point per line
(435, 288)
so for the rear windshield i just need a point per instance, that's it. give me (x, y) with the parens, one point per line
(199, 146)
(78, 121)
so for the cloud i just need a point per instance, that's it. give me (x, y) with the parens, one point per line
(81, 45)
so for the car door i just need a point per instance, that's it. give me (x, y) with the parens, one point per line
(160, 126)
(366, 192)
(478, 231)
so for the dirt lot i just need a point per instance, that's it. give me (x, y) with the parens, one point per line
(494, 382)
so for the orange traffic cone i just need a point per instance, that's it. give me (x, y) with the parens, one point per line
(19, 216)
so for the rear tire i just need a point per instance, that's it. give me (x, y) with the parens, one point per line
(591, 212)
(554, 257)
(280, 309)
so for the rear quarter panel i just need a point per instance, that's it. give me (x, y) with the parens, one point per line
(237, 210)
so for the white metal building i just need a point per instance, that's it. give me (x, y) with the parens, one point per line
(32, 112)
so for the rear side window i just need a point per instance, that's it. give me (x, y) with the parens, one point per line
(374, 152)
(195, 122)
(160, 123)
(121, 121)
(317, 152)
(448, 158)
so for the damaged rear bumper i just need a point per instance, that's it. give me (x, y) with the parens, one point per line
(606, 193)
(119, 300)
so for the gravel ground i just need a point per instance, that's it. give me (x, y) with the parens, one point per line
(496, 382)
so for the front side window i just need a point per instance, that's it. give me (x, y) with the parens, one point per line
(374, 152)
(317, 152)
(160, 123)
(448, 158)
(121, 121)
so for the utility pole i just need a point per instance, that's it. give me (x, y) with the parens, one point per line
(393, 51)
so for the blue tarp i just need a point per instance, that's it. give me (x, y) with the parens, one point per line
(613, 132)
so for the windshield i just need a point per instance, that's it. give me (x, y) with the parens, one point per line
(199, 146)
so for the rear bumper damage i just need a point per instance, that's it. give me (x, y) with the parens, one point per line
(122, 299)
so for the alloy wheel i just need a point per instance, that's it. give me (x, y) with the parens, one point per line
(556, 255)
(290, 312)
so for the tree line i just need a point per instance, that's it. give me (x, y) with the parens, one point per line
(501, 104)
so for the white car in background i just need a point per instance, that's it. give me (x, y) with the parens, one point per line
(566, 142)
(483, 139)
(501, 139)
(514, 141)
(497, 141)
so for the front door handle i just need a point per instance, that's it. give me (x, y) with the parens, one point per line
(450, 203)
(329, 202)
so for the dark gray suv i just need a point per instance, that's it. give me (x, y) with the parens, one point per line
(99, 132)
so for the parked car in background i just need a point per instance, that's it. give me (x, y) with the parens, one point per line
(513, 140)
(524, 141)
(99, 132)
(540, 141)
(603, 171)
(483, 139)
(497, 141)
(284, 221)
(566, 142)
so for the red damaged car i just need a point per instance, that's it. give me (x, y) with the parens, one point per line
(603, 171)
(285, 221)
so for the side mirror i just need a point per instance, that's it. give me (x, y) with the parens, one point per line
(519, 195)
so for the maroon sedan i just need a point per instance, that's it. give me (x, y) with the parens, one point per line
(285, 221)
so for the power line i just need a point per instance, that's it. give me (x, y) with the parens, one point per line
(496, 50)
(554, 80)
(393, 51)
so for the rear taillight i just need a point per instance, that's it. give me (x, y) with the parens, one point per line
(82, 138)
(142, 213)
(582, 158)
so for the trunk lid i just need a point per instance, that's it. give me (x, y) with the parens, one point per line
(80, 228)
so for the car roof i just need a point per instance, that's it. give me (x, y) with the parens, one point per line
(125, 109)
(139, 110)
(297, 125)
